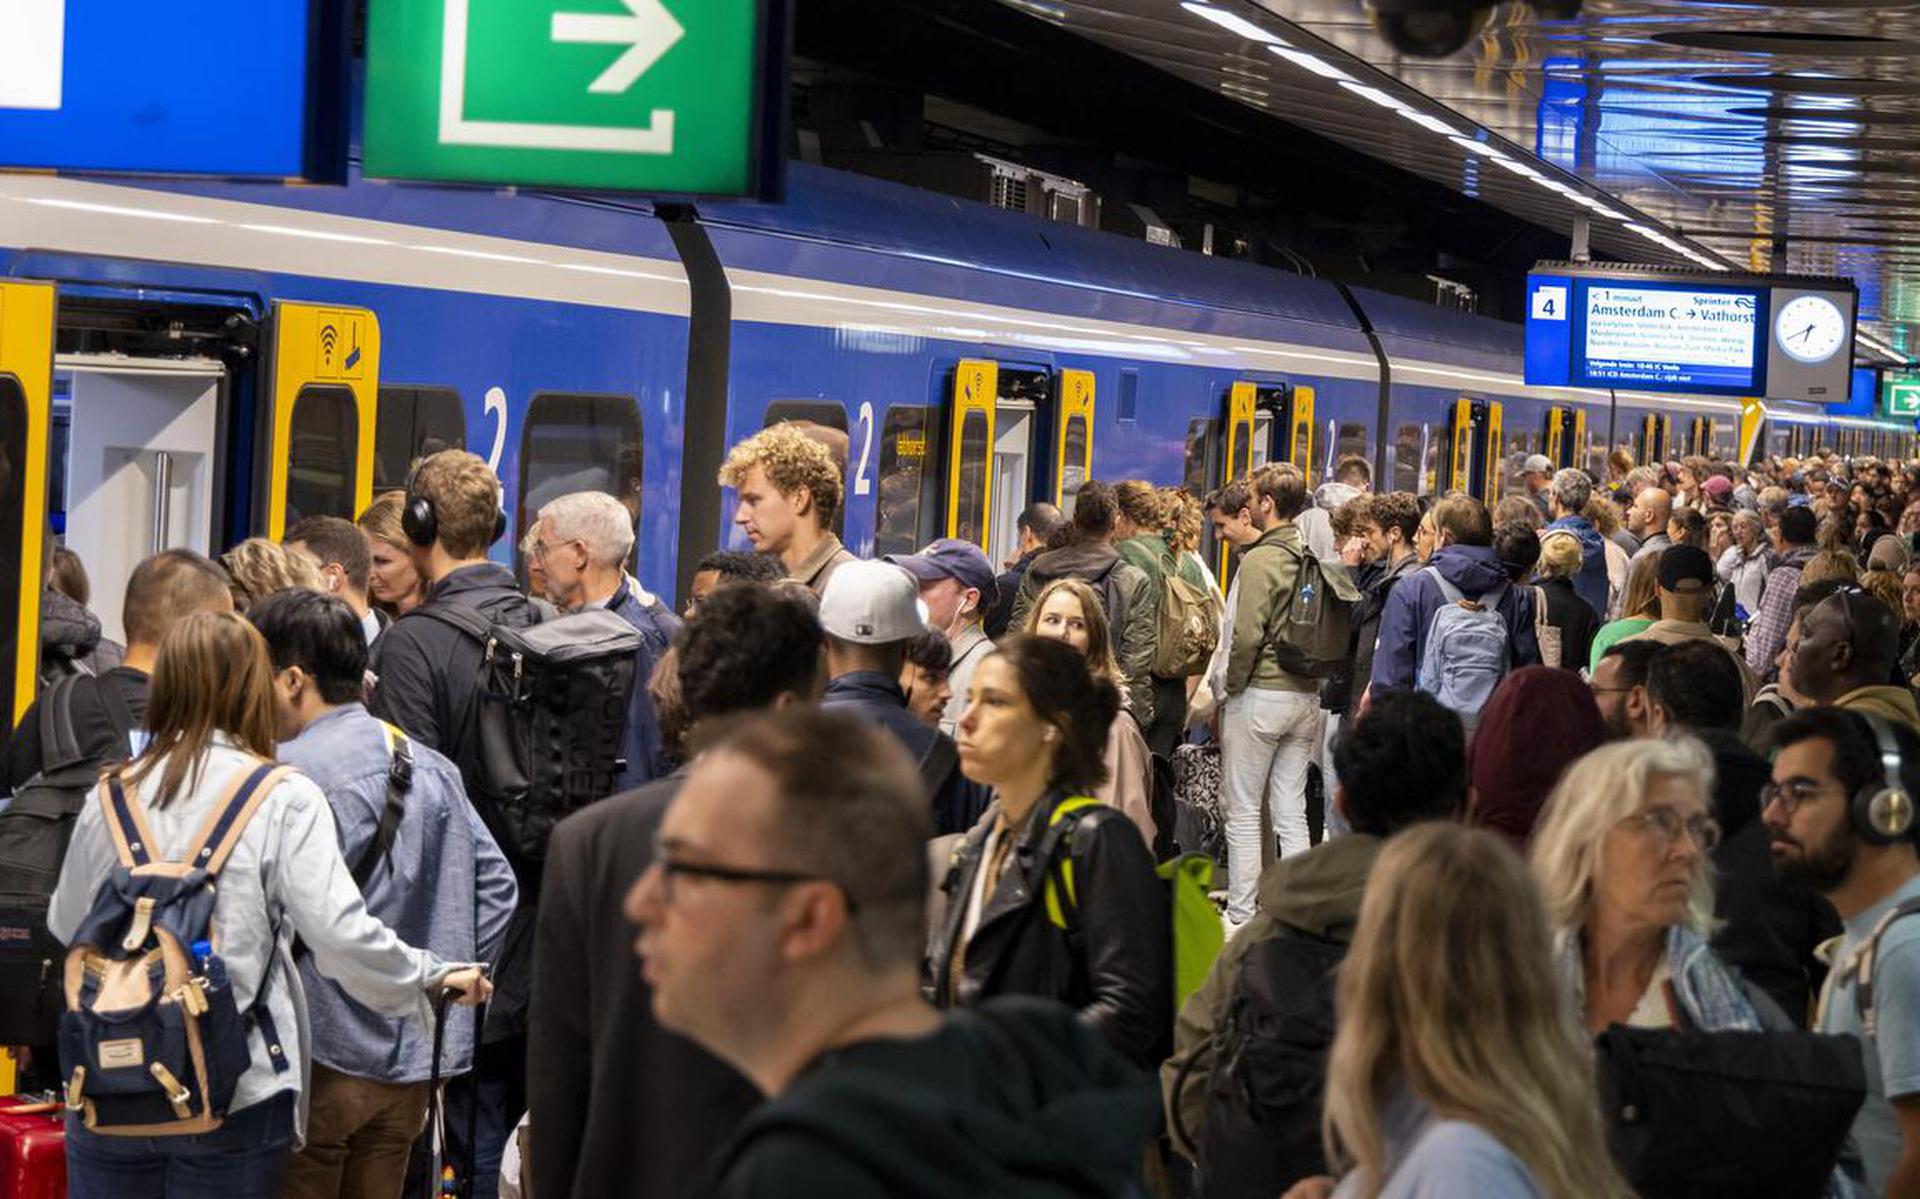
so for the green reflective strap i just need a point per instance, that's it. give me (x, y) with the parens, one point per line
(1198, 935)
(1071, 806)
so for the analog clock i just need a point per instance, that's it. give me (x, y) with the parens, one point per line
(1810, 329)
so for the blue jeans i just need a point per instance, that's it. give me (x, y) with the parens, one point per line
(242, 1159)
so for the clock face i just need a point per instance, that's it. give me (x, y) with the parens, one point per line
(1810, 329)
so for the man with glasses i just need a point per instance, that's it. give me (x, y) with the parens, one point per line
(1848, 643)
(782, 926)
(581, 544)
(623, 1109)
(1619, 686)
(1833, 822)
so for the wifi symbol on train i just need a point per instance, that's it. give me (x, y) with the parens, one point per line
(329, 337)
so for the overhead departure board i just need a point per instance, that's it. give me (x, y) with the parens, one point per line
(1653, 330)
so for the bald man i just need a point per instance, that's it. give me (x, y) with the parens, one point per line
(1848, 643)
(1647, 520)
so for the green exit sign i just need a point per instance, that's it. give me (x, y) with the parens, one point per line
(1902, 398)
(662, 96)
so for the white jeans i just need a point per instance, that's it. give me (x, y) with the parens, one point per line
(1267, 740)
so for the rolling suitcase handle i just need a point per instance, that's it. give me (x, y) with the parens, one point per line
(444, 1182)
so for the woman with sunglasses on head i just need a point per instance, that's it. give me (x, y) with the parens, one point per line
(1053, 893)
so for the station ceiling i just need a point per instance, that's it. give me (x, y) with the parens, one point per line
(1780, 136)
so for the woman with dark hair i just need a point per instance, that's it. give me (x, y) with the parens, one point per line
(211, 724)
(1053, 893)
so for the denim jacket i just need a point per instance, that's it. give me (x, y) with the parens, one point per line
(445, 887)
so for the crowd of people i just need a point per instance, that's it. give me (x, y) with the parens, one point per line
(870, 893)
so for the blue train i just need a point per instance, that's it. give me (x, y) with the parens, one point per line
(188, 363)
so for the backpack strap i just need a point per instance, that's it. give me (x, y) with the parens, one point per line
(126, 823)
(118, 713)
(1865, 960)
(1060, 824)
(470, 621)
(399, 784)
(59, 744)
(241, 798)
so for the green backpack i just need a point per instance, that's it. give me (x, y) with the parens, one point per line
(1198, 934)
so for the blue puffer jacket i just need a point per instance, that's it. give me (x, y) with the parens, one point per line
(1475, 570)
(1591, 582)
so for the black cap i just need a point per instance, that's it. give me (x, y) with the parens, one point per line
(1685, 568)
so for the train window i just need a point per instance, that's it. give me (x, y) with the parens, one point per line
(907, 512)
(1074, 472)
(579, 443)
(1407, 459)
(1521, 445)
(1127, 408)
(412, 423)
(970, 496)
(323, 443)
(1197, 478)
(13, 494)
(1351, 442)
(1302, 454)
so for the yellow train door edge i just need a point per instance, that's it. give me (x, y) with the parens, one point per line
(1496, 452)
(976, 381)
(1556, 432)
(1076, 400)
(26, 359)
(1460, 471)
(321, 346)
(1300, 433)
(1579, 458)
(1241, 398)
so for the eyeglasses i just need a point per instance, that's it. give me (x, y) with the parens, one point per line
(1670, 824)
(1792, 793)
(671, 870)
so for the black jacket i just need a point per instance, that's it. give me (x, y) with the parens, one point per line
(1013, 1100)
(1375, 586)
(99, 723)
(430, 687)
(1575, 619)
(957, 802)
(1770, 928)
(1007, 585)
(622, 1108)
(1113, 962)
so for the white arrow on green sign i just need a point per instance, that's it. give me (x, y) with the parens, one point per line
(573, 93)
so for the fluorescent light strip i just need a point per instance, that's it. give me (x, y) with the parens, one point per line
(1519, 168)
(318, 235)
(1232, 22)
(1374, 95)
(1473, 147)
(1430, 122)
(118, 210)
(1300, 58)
(486, 254)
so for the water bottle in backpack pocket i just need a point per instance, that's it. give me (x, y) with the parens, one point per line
(1466, 652)
(152, 1042)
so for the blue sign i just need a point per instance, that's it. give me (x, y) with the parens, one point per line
(1628, 332)
(227, 87)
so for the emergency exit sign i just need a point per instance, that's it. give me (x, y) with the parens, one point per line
(661, 96)
(1903, 398)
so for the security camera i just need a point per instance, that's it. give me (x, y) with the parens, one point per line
(1438, 28)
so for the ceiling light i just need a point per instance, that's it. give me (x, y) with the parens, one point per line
(1430, 122)
(1300, 58)
(1374, 95)
(1519, 168)
(1232, 22)
(482, 254)
(1474, 147)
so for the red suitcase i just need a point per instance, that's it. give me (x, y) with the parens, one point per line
(33, 1151)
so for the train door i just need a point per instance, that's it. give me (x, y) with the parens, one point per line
(321, 414)
(1655, 430)
(1474, 449)
(1557, 441)
(26, 427)
(996, 424)
(1073, 446)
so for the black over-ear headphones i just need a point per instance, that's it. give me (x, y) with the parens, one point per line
(422, 525)
(1882, 811)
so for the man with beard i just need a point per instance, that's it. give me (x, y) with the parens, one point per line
(1620, 687)
(1840, 814)
(1848, 643)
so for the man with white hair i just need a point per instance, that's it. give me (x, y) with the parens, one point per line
(580, 547)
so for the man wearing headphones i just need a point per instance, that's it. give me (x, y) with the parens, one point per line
(1839, 810)
(430, 687)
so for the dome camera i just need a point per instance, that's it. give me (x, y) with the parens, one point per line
(1438, 28)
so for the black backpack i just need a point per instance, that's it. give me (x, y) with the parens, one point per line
(551, 715)
(1269, 1076)
(34, 831)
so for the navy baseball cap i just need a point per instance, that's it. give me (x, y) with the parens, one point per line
(951, 558)
(1685, 568)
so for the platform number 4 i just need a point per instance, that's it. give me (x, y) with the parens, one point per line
(862, 485)
(1550, 303)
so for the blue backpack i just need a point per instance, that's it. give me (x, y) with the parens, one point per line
(1466, 649)
(152, 1042)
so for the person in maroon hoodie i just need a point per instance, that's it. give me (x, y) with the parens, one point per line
(1538, 721)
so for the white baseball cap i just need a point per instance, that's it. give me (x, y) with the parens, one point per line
(872, 603)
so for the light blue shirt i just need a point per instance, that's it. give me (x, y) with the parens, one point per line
(1431, 1158)
(1893, 1056)
(445, 887)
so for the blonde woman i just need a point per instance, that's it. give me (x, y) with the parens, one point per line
(1454, 1070)
(395, 584)
(1069, 610)
(257, 567)
(1561, 557)
(1639, 608)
